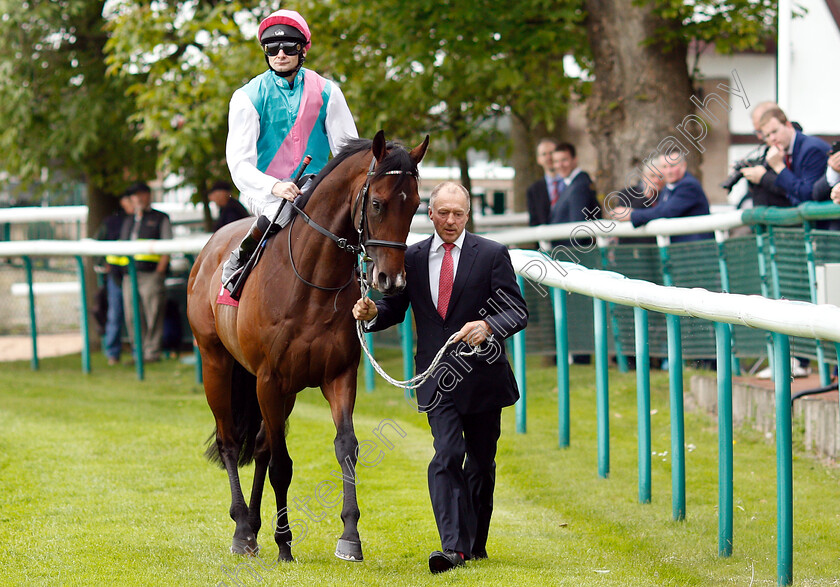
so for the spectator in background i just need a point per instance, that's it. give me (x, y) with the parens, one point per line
(765, 192)
(823, 186)
(230, 209)
(114, 270)
(575, 201)
(144, 224)
(643, 195)
(682, 196)
(543, 191)
(798, 160)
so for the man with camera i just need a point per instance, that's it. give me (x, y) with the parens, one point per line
(796, 159)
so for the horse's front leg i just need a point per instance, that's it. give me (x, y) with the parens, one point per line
(341, 394)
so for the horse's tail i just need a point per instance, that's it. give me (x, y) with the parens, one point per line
(246, 417)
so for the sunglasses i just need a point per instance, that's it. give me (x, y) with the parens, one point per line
(290, 49)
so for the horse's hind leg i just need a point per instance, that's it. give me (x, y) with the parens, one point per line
(277, 408)
(341, 393)
(217, 368)
(262, 454)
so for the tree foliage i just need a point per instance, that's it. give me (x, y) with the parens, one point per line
(183, 60)
(64, 119)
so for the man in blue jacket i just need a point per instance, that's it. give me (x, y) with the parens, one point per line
(798, 160)
(459, 283)
(682, 196)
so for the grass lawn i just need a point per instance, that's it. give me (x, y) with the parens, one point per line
(103, 482)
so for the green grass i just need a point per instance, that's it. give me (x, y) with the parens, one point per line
(103, 482)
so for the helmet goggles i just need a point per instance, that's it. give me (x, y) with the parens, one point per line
(290, 48)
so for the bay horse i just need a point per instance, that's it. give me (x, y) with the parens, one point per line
(294, 329)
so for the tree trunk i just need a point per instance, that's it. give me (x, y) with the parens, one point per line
(466, 181)
(630, 116)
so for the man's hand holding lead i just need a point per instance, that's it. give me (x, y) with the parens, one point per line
(474, 333)
(364, 309)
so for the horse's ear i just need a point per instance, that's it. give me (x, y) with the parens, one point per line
(378, 146)
(418, 152)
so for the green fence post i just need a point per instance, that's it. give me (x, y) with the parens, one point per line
(519, 373)
(561, 345)
(822, 366)
(407, 341)
(199, 373)
(720, 239)
(643, 401)
(370, 374)
(33, 323)
(138, 334)
(675, 376)
(84, 316)
(762, 275)
(620, 357)
(602, 387)
(663, 242)
(784, 461)
(724, 380)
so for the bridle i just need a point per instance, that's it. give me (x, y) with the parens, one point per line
(360, 249)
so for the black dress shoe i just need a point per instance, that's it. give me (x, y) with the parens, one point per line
(478, 554)
(440, 562)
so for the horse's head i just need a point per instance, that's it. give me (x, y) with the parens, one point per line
(388, 206)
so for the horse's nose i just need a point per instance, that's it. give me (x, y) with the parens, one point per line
(384, 283)
(389, 286)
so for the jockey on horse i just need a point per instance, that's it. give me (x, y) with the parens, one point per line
(275, 120)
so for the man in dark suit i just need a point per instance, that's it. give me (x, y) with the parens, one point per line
(464, 285)
(541, 192)
(682, 196)
(797, 159)
(576, 201)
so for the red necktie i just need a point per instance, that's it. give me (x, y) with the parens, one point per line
(788, 161)
(554, 192)
(447, 275)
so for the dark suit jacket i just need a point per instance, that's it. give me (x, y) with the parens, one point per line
(538, 203)
(809, 160)
(686, 198)
(485, 288)
(578, 196)
(230, 212)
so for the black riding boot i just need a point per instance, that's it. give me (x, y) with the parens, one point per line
(239, 256)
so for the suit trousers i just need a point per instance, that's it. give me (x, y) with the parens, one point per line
(462, 474)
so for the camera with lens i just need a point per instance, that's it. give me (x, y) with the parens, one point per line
(834, 148)
(740, 164)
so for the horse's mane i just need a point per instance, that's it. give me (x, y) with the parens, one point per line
(397, 159)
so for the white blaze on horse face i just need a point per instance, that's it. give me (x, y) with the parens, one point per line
(404, 196)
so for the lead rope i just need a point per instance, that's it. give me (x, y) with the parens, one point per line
(417, 380)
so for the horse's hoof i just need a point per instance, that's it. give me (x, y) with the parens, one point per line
(285, 555)
(349, 551)
(245, 547)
